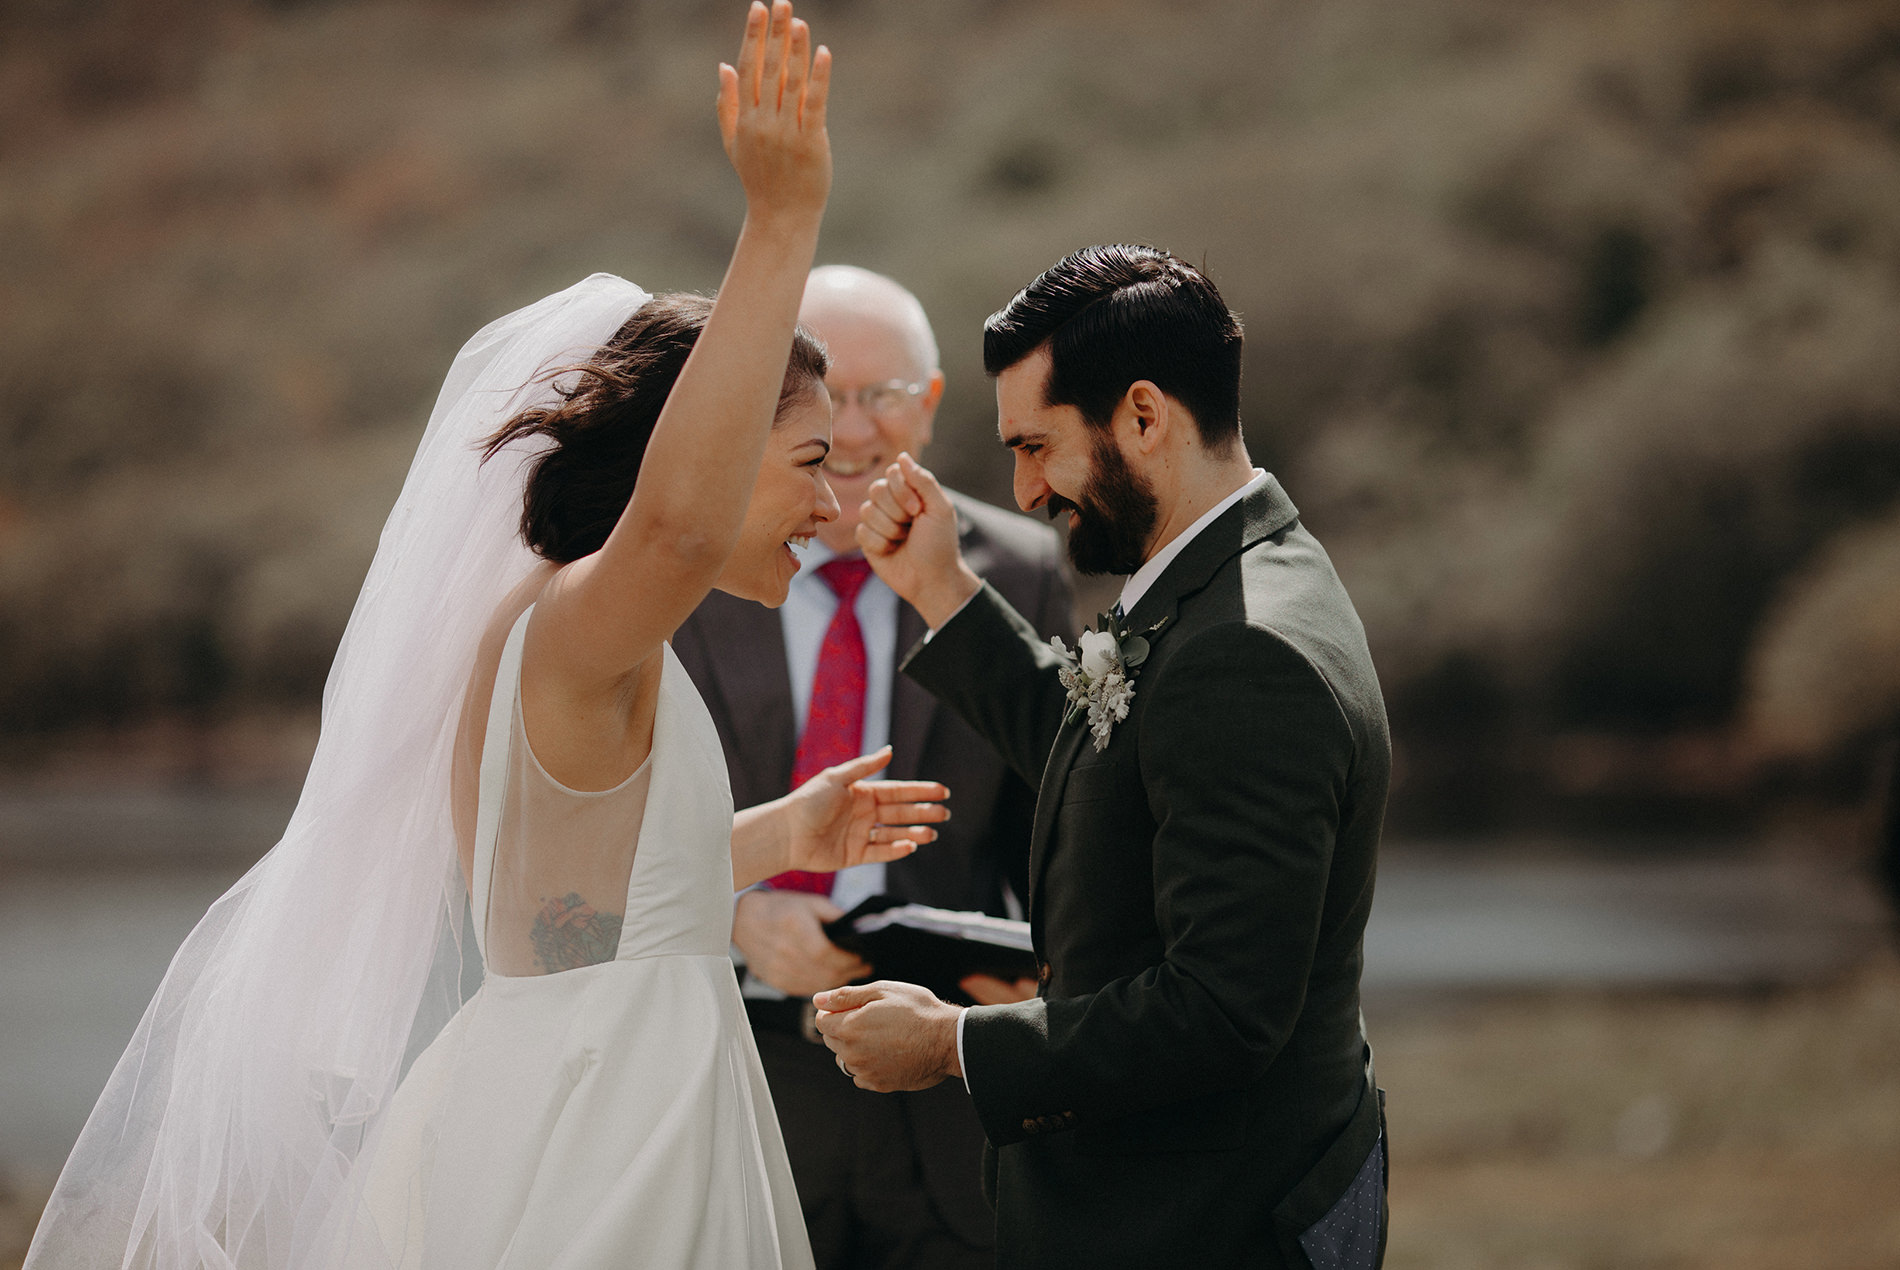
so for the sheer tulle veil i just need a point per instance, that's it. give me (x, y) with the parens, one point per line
(227, 1132)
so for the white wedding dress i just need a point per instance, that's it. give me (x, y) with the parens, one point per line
(609, 1114)
(266, 1115)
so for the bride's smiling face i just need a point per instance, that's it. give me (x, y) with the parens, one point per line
(790, 500)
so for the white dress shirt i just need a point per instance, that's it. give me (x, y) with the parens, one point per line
(804, 617)
(1132, 590)
(1141, 579)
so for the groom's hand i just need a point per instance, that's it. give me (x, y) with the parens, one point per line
(908, 531)
(890, 1036)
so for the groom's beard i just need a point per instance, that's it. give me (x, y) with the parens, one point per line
(1115, 514)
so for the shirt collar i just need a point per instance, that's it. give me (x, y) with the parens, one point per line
(1143, 578)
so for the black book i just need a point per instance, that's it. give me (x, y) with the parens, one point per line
(934, 947)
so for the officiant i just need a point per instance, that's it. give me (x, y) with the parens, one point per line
(883, 1181)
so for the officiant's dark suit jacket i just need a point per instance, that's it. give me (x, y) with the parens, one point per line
(735, 652)
(1193, 1085)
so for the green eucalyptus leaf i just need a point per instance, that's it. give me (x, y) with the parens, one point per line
(1134, 650)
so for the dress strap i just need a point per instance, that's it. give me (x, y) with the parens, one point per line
(494, 780)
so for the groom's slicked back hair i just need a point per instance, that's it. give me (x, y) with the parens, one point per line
(604, 415)
(1115, 314)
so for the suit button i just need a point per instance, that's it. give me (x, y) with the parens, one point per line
(1043, 972)
(1032, 1127)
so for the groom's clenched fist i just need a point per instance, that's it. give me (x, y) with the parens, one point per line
(890, 1036)
(908, 530)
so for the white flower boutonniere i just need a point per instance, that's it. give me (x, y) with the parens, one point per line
(1099, 672)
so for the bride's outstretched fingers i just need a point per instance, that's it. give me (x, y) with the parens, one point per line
(772, 112)
(770, 88)
(791, 93)
(742, 78)
(840, 817)
(863, 767)
(811, 115)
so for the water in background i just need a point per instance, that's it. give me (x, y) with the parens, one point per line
(98, 889)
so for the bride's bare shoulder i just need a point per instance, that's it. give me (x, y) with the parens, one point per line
(502, 620)
(481, 679)
(472, 729)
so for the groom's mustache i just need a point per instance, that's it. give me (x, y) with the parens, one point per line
(1058, 504)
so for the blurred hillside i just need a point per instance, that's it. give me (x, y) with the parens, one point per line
(1574, 328)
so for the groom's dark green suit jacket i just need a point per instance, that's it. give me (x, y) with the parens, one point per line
(1192, 1085)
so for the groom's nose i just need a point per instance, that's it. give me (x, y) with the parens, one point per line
(1031, 490)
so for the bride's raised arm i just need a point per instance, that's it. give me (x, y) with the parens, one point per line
(604, 615)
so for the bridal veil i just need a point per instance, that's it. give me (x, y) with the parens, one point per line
(226, 1134)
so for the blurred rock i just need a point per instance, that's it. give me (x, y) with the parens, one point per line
(1826, 669)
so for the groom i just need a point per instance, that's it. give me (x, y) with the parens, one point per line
(1192, 1085)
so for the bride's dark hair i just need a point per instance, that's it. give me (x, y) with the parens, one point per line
(608, 405)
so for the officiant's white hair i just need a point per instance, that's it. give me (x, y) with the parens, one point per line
(873, 295)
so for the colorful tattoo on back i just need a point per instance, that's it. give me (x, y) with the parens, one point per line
(569, 933)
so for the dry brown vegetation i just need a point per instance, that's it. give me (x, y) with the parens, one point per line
(1571, 325)
(1637, 1132)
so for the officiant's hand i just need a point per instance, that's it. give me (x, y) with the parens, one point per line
(907, 529)
(989, 990)
(782, 936)
(890, 1036)
(840, 817)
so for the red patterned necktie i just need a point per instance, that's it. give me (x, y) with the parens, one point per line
(834, 723)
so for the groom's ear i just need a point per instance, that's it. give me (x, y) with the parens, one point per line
(1147, 413)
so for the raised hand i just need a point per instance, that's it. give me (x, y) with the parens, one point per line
(907, 529)
(772, 114)
(605, 616)
(840, 817)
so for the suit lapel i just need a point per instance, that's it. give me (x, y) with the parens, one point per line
(1260, 515)
(747, 665)
(1055, 777)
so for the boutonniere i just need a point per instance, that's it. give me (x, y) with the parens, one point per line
(1099, 673)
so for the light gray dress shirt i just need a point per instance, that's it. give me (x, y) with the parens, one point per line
(805, 616)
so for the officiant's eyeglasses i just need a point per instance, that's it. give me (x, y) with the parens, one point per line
(877, 400)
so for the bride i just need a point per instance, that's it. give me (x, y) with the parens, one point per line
(507, 734)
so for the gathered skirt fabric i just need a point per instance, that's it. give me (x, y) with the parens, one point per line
(614, 1115)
